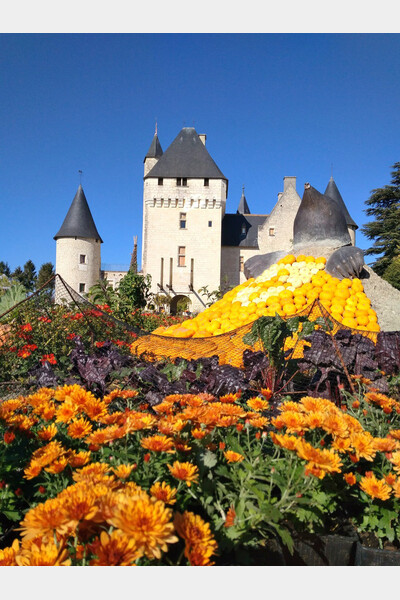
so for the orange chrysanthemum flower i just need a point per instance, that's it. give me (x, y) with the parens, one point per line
(327, 460)
(198, 433)
(289, 442)
(123, 394)
(79, 502)
(384, 444)
(259, 422)
(47, 433)
(146, 521)
(7, 556)
(350, 478)
(78, 459)
(267, 393)
(230, 398)
(293, 421)
(58, 465)
(92, 472)
(257, 404)
(95, 409)
(375, 488)
(363, 445)
(390, 478)
(45, 519)
(200, 544)
(395, 460)
(158, 443)
(66, 411)
(396, 488)
(184, 471)
(79, 428)
(47, 454)
(114, 549)
(334, 424)
(233, 457)
(123, 471)
(163, 491)
(341, 444)
(314, 419)
(394, 433)
(33, 470)
(43, 554)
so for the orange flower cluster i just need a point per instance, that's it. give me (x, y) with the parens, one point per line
(343, 431)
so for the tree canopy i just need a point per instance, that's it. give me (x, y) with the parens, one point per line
(384, 206)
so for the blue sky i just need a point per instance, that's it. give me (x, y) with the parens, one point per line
(271, 105)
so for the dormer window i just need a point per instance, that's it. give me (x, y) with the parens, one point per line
(244, 230)
(181, 181)
(160, 181)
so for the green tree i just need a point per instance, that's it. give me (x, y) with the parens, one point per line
(46, 271)
(17, 275)
(384, 206)
(133, 291)
(29, 276)
(392, 273)
(5, 269)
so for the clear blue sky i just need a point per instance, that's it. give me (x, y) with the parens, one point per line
(271, 105)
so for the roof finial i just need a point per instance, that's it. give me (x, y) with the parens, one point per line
(331, 170)
(242, 189)
(155, 133)
(80, 177)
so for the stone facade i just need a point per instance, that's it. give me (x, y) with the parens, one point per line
(78, 262)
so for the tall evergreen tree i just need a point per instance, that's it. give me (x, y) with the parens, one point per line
(46, 271)
(17, 274)
(5, 269)
(29, 276)
(384, 206)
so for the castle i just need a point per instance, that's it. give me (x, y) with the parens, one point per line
(189, 241)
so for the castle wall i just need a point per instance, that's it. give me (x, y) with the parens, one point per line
(203, 207)
(277, 231)
(231, 275)
(70, 267)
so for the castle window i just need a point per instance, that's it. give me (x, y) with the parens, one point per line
(182, 221)
(210, 223)
(181, 256)
(160, 181)
(272, 231)
(243, 229)
(241, 264)
(81, 287)
(82, 259)
(181, 181)
(206, 181)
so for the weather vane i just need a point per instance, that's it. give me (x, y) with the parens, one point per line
(80, 176)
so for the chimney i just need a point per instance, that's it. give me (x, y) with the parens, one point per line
(289, 181)
(203, 137)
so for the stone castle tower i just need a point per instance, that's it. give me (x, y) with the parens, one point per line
(184, 200)
(78, 256)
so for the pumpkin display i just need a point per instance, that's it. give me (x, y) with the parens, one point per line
(285, 288)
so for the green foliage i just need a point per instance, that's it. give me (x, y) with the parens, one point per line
(210, 297)
(392, 273)
(134, 292)
(46, 271)
(5, 269)
(182, 305)
(12, 296)
(384, 206)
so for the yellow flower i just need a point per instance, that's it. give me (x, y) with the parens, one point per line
(163, 491)
(257, 404)
(363, 445)
(375, 488)
(184, 471)
(123, 471)
(115, 549)
(47, 433)
(44, 554)
(147, 522)
(200, 544)
(233, 457)
(79, 428)
(45, 519)
(7, 556)
(158, 443)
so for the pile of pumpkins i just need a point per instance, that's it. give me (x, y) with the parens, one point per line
(286, 288)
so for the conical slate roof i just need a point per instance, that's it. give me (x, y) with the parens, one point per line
(333, 192)
(187, 156)
(79, 221)
(155, 150)
(243, 208)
